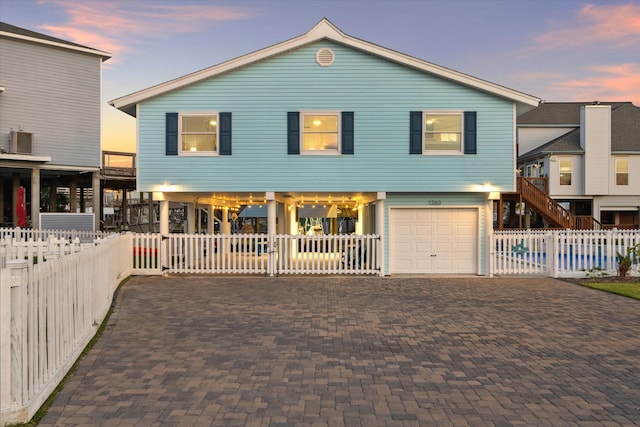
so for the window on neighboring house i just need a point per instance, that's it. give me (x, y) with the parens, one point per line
(442, 132)
(198, 133)
(565, 171)
(320, 133)
(622, 171)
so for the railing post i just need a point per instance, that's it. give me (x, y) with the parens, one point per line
(18, 356)
(5, 339)
(551, 248)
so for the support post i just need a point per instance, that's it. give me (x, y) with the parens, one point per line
(97, 202)
(272, 213)
(380, 212)
(35, 198)
(191, 218)
(14, 198)
(73, 195)
(225, 225)
(164, 217)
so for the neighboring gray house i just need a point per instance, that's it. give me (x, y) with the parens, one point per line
(589, 153)
(50, 122)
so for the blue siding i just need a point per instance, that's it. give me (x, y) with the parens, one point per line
(380, 93)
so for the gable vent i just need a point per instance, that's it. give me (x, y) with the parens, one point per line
(325, 57)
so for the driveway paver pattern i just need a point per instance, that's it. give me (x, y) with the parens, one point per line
(357, 351)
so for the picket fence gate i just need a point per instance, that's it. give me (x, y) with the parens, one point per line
(256, 254)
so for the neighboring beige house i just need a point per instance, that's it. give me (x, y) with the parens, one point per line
(50, 123)
(590, 154)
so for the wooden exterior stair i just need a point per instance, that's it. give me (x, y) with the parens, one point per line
(537, 199)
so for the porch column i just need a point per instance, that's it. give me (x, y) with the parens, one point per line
(14, 199)
(293, 219)
(53, 197)
(488, 232)
(191, 218)
(97, 203)
(164, 217)
(359, 221)
(380, 198)
(35, 198)
(152, 214)
(212, 220)
(271, 212)
(281, 212)
(124, 210)
(73, 195)
(225, 225)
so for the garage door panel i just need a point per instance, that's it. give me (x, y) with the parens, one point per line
(422, 215)
(423, 248)
(422, 230)
(433, 240)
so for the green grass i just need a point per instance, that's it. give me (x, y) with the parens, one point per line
(631, 290)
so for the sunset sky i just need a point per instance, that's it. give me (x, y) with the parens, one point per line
(558, 50)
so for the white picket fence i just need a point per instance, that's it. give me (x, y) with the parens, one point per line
(22, 234)
(567, 253)
(34, 251)
(256, 254)
(49, 311)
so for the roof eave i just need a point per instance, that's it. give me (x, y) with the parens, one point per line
(324, 30)
(77, 48)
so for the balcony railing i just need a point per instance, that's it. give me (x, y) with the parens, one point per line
(118, 163)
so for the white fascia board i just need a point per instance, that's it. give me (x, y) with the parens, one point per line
(323, 30)
(96, 52)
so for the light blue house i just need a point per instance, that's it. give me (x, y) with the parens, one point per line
(414, 151)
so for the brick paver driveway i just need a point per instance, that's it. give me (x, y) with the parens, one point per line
(333, 351)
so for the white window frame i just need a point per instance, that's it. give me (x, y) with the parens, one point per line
(426, 113)
(182, 152)
(338, 150)
(618, 160)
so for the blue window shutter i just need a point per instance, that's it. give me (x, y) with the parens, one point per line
(347, 132)
(415, 132)
(293, 133)
(225, 134)
(171, 131)
(470, 132)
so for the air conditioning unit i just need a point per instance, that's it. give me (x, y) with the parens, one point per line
(21, 142)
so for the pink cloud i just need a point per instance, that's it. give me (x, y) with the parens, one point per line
(612, 23)
(114, 26)
(611, 83)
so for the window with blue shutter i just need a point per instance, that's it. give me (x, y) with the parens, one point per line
(415, 132)
(320, 133)
(470, 132)
(171, 134)
(293, 133)
(225, 134)
(442, 132)
(347, 132)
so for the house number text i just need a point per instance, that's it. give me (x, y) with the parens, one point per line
(435, 202)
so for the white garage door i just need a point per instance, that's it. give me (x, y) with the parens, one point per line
(429, 240)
